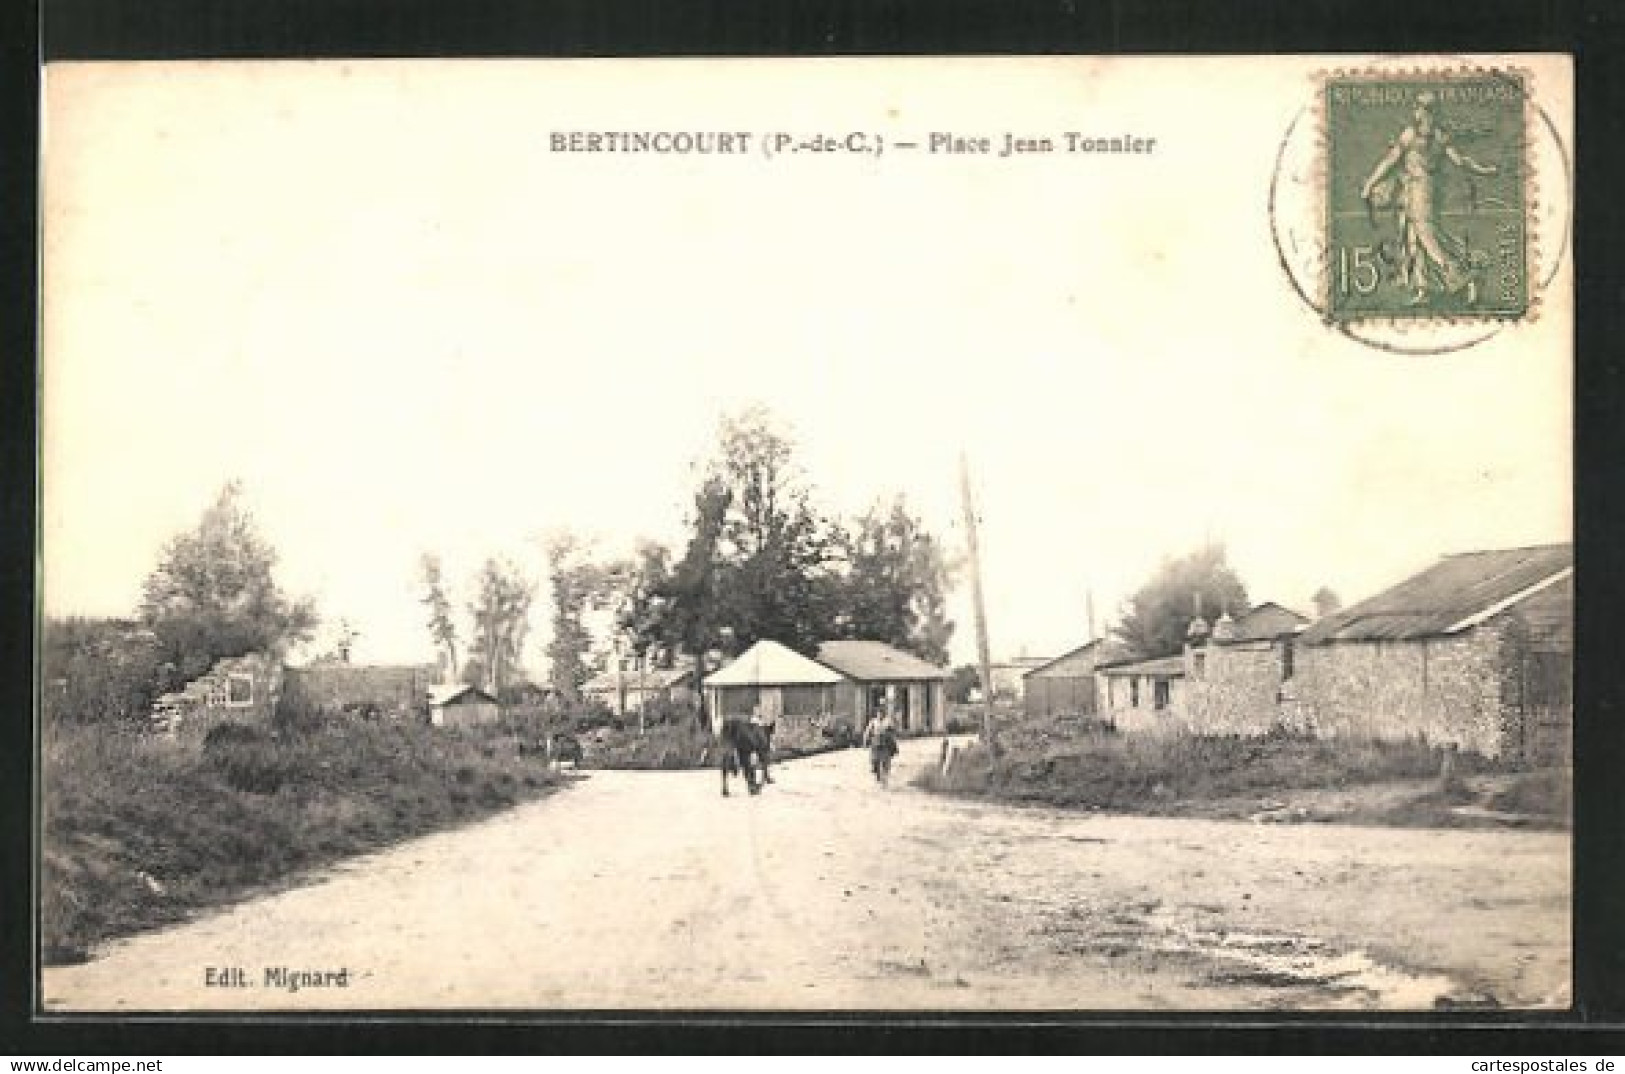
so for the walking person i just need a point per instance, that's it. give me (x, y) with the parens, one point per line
(766, 726)
(881, 737)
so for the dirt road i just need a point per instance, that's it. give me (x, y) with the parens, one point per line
(651, 890)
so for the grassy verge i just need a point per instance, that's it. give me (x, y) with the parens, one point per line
(1275, 778)
(141, 831)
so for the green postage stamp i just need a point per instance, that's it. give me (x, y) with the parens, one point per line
(1427, 196)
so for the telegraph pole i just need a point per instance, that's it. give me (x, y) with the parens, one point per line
(976, 599)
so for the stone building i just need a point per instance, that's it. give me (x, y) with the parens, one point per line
(240, 688)
(1229, 679)
(1237, 671)
(1475, 651)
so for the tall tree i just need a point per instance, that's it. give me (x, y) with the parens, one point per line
(1157, 616)
(896, 583)
(775, 548)
(577, 585)
(213, 593)
(501, 616)
(442, 625)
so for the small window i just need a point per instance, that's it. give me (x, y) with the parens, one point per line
(1198, 664)
(239, 690)
(1134, 692)
(1288, 660)
(1159, 693)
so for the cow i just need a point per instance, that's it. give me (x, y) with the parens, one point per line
(740, 741)
(563, 747)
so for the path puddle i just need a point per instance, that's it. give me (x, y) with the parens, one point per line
(1280, 961)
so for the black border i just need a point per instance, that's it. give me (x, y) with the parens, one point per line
(177, 29)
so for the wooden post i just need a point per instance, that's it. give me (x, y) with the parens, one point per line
(974, 547)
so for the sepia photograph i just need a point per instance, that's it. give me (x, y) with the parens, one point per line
(976, 534)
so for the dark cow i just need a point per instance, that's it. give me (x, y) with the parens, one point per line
(564, 747)
(740, 742)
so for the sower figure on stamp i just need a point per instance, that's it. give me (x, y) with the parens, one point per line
(1418, 155)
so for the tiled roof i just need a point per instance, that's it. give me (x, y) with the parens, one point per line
(875, 661)
(1445, 596)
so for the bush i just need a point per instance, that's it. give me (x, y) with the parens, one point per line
(140, 829)
(1094, 767)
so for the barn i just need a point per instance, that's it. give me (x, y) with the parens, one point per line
(461, 705)
(1065, 686)
(1476, 650)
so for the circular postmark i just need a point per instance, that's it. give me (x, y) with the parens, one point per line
(1421, 211)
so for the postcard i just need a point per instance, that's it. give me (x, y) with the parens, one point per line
(886, 535)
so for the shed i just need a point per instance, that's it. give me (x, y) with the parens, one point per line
(461, 705)
(1065, 686)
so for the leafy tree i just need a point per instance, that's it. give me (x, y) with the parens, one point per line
(578, 585)
(501, 615)
(1326, 601)
(776, 546)
(1156, 617)
(96, 670)
(442, 627)
(896, 583)
(965, 678)
(213, 594)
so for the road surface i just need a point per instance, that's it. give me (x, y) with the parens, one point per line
(649, 890)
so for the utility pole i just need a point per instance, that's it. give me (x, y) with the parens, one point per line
(974, 547)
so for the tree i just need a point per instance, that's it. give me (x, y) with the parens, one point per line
(578, 585)
(96, 670)
(965, 679)
(1326, 602)
(1156, 618)
(896, 583)
(213, 593)
(442, 627)
(501, 615)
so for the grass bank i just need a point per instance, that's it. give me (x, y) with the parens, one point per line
(142, 831)
(1270, 778)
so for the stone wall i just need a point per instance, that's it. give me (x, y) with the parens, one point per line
(1444, 690)
(245, 689)
(1233, 688)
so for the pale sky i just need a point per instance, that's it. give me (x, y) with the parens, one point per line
(371, 292)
